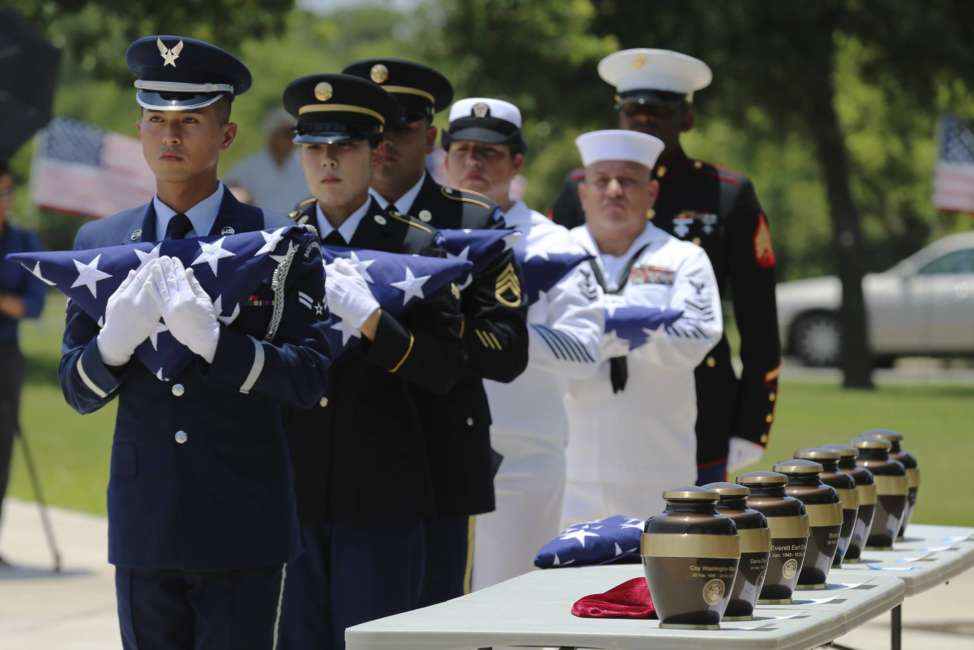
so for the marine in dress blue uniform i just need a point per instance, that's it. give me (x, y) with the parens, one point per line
(495, 336)
(21, 296)
(716, 209)
(363, 477)
(201, 510)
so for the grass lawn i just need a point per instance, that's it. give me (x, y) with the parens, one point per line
(72, 451)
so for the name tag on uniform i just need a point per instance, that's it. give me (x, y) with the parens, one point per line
(649, 274)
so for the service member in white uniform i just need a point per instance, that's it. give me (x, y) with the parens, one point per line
(485, 153)
(632, 423)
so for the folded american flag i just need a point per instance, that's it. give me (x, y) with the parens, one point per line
(634, 325)
(229, 268)
(543, 269)
(604, 541)
(478, 246)
(397, 281)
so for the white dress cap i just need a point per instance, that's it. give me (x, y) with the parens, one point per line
(481, 107)
(617, 144)
(649, 69)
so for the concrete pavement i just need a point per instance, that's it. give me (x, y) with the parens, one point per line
(75, 610)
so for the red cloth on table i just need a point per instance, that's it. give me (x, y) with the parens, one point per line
(631, 599)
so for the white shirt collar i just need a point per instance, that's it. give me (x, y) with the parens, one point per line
(404, 202)
(519, 214)
(348, 227)
(202, 215)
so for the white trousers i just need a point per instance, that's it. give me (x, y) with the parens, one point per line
(529, 489)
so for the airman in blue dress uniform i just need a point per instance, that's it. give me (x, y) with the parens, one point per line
(201, 508)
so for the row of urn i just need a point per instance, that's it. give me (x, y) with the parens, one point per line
(718, 550)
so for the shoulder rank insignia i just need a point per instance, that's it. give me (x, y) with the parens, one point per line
(763, 251)
(507, 289)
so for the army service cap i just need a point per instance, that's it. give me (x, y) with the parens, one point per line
(420, 90)
(647, 76)
(333, 108)
(487, 120)
(619, 144)
(178, 73)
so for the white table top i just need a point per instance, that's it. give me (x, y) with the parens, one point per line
(927, 557)
(535, 609)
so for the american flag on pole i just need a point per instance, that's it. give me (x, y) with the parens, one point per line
(81, 169)
(953, 180)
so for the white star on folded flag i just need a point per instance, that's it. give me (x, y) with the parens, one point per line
(144, 257)
(212, 254)
(218, 307)
(89, 275)
(271, 240)
(510, 240)
(411, 286)
(536, 251)
(37, 274)
(362, 266)
(463, 256)
(348, 331)
(578, 535)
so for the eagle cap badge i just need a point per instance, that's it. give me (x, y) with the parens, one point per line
(480, 109)
(169, 55)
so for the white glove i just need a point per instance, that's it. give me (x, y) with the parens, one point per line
(130, 317)
(185, 306)
(742, 453)
(348, 294)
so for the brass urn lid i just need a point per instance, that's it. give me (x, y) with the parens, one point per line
(872, 443)
(727, 489)
(798, 466)
(762, 479)
(883, 434)
(691, 493)
(818, 453)
(844, 451)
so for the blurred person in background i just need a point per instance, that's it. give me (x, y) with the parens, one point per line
(21, 296)
(271, 179)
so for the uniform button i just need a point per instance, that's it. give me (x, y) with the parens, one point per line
(323, 402)
(697, 164)
(711, 362)
(769, 418)
(424, 215)
(178, 390)
(764, 438)
(379, 219)
(696, 240)
(772, 397)
(181, 437)
(469, 422)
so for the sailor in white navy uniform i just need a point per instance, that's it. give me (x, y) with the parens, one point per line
(632, 424)
(201, 510)
(485, 152)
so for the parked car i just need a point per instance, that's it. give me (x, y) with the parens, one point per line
(923, 306)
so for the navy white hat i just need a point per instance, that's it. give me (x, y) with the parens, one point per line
(640, 73)
(619, 144)
(333, 108)
(484, 119)
(178, 73)
(420, 90)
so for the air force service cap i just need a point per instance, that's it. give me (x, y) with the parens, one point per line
(178, 73)
(644, 75)
(619, 144)
(420, 90)
(483, 119)
(333, 108)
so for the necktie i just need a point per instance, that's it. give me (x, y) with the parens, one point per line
(179, 225)
(334, 238)
(618, 373)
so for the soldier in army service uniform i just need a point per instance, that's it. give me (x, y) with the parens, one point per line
(717, 209)
(364, 482)
(495, 323)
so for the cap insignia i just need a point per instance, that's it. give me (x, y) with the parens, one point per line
(480, 109)
(639, 61)
(169, 55)
(323, 91)
(379, 73)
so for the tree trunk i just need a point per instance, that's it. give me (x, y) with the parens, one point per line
(846, 228)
